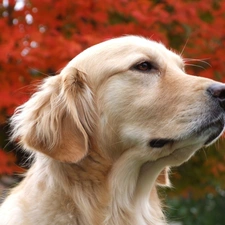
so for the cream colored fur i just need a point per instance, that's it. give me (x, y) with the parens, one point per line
(90, 129)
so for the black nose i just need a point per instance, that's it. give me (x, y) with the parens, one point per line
(218, 92)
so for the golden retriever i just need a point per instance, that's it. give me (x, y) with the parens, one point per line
(104, 131)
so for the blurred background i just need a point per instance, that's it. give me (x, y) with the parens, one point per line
(38, 38)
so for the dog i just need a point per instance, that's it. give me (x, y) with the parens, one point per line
(104, 133)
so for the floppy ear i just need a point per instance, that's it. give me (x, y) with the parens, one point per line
(163, 178)
(59, 119)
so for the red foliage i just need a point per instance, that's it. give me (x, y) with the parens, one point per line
(40, 37)
(38, 40)
(8, 163)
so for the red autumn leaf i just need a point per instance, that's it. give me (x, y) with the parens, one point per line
(39, 38)
(8, 163)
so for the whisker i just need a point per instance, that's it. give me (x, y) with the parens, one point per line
(204, 152)
(187, 64)
(182, 51)
(198, 60)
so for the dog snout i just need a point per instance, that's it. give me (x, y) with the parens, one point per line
(218, 91)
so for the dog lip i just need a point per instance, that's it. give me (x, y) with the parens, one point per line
(217, 128)
(210, 131)
(160, 142)
(213, 129)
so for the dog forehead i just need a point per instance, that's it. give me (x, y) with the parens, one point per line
(126, 46)
(129, 45)
(119, 54)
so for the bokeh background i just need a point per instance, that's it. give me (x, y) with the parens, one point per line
(38, 38)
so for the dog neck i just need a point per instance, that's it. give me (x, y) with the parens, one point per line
(132, 184)
(116, 193)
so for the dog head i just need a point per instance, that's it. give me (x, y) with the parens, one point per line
(125, 93)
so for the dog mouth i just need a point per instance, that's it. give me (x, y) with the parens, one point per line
(209, 132)
(160, 142)
(214, 130)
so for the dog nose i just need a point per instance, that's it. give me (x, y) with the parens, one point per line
(218, 92)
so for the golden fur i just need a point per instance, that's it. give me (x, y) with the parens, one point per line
(104, 132)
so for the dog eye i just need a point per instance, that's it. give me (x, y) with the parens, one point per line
(144, 67)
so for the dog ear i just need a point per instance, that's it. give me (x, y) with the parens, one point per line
(163, 178)
(59, 119)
